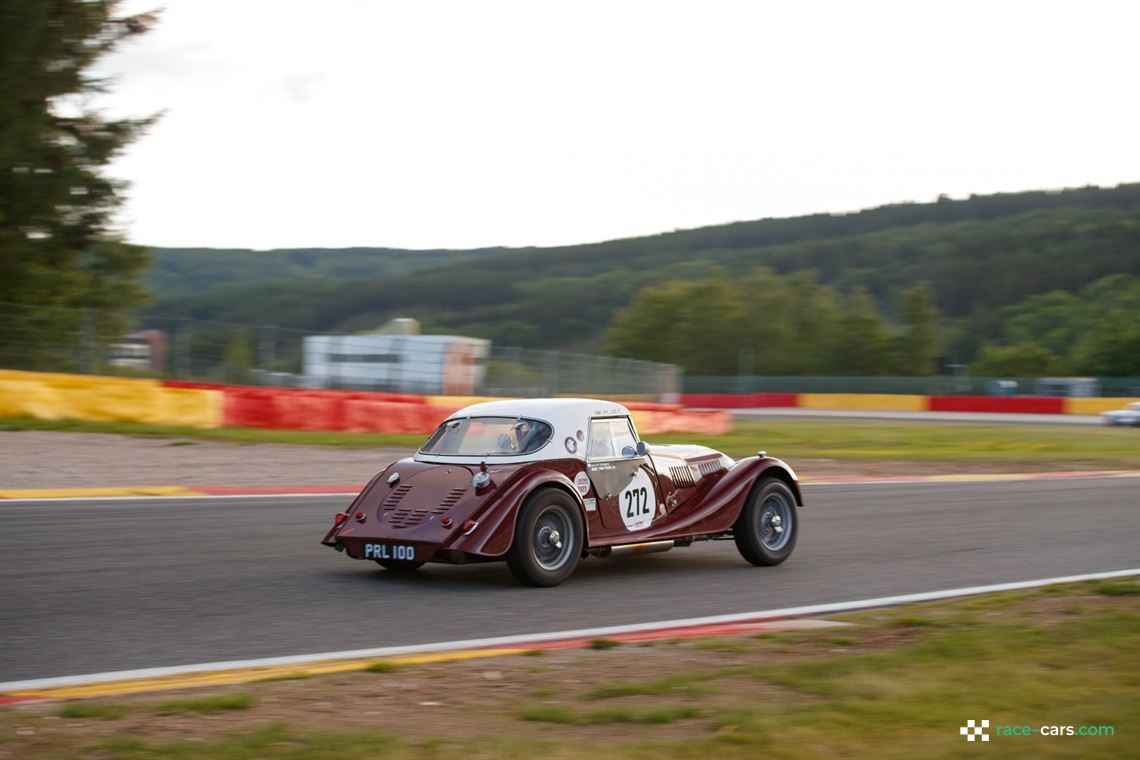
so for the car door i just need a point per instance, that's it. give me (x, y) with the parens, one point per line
(627, 493)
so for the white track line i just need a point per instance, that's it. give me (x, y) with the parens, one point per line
(582, 633)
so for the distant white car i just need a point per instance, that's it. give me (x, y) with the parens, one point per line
(1129, 415)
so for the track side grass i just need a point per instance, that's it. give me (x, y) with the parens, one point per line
(897, 683)
(856, 440)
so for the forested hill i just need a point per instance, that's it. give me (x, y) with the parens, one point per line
(979, 254)
(184, 271)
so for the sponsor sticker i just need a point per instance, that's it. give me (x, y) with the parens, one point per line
(591, 505)
(582, 482)
(571, 445)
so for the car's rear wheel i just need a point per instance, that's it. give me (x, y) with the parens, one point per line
(766, 531)
(548, 539)
(399, 565)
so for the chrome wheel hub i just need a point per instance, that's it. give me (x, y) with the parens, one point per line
(775, 522)
(553, 539)
(550, 537)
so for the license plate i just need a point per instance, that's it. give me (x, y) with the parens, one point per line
(405, 552)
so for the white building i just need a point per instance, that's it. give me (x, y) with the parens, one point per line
(447, 364)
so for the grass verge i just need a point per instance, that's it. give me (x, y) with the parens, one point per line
(205, 705)
(1044, 445)
(897, 683)
(928, 441)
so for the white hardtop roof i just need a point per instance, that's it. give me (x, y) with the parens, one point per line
(568, 417)
(560, 412)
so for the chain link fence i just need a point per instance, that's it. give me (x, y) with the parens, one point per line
(51, 339)
(935, 385)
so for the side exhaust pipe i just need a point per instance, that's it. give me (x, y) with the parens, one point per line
(625, 550)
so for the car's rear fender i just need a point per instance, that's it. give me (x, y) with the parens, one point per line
(496, 522)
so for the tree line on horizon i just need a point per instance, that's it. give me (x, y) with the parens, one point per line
(1036, 280)
(766, 324)
(976, 265)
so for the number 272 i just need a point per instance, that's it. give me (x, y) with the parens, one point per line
(636, 502)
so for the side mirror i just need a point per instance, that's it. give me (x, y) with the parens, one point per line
(630, 452)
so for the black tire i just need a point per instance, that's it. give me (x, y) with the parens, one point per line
(542, 553)
(766, 531)
(399, 565)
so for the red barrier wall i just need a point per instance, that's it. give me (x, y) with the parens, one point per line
(997, 404)
(739, 400)
(404, 398)
(300, 409)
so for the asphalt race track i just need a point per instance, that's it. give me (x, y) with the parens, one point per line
(89, 587)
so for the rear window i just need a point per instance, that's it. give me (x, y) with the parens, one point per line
(488, 436)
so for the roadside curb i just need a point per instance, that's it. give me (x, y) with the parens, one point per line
(331, 490)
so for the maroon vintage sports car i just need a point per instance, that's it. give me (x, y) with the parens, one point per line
(542, 483)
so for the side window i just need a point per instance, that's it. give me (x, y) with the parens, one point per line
(601, 440)
(623, 436)
(608, 437)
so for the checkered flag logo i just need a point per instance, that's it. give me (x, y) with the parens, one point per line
(973, 730)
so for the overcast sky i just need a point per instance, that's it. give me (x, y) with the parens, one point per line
(460, 124)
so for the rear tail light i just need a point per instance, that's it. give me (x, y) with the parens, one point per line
(340, 519)
(359, 516)
(469, 526)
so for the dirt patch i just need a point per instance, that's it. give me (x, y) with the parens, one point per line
(36, 459)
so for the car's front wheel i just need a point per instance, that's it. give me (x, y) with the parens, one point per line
(548, 539)
(766, 531)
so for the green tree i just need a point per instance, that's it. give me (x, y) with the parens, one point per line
(918, 343)
(1111, 350)
(767, 341)
(1050, 319)
(863, 339)
(694, 324)
(238, 360)
(57, 247)
(817, 317)
(1020, 360)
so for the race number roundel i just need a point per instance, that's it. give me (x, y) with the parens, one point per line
(637, 502)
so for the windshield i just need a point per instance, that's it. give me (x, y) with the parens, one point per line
(488, 436)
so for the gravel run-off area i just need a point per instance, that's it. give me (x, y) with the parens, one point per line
(35, 459)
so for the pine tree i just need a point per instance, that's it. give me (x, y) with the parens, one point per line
(57, 246)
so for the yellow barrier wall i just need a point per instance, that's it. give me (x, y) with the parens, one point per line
(877, 401)
(1095, 405)
(51, 396)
